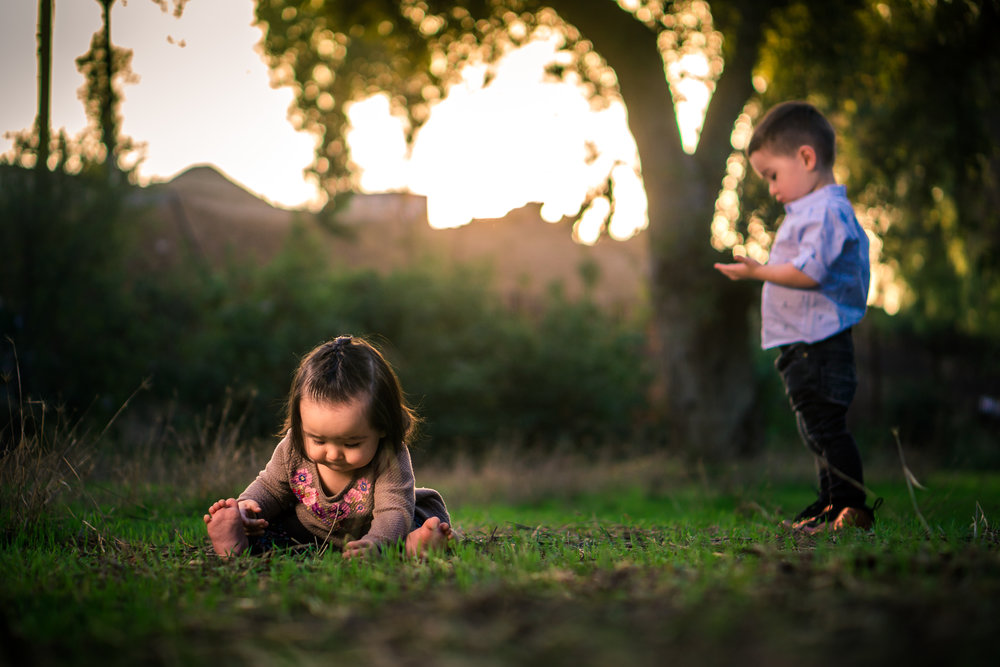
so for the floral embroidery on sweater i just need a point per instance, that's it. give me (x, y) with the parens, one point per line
(353, 501)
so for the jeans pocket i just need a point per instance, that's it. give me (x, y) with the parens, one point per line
(799, 373)
(838, 380)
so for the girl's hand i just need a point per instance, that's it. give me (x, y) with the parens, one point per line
(249, 509)
(358, 549)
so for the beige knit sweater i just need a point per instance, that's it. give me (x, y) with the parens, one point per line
(377, 509)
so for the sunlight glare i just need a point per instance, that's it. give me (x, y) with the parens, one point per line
(377, 137)
(489, 149)
(588, 228)
(691, 96)
(887, 289)
(629, 216)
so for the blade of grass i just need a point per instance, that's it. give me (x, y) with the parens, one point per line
(911, 481)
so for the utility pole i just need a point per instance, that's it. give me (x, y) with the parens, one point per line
(43, 120)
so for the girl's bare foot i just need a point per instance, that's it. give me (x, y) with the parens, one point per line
(433, 535)
(225, 528)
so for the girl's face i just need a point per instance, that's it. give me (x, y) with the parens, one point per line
(338, 435)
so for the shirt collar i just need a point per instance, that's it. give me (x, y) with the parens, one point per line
(815, 197)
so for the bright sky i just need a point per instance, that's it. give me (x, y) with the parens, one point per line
(210, 101)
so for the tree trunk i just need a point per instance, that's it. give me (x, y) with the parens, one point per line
(43, 122)
(108, 130)
(701, 320)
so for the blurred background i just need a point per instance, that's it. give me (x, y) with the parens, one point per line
(519, 201)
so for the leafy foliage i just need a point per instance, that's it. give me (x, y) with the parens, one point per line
(474, 368)
(102, 97)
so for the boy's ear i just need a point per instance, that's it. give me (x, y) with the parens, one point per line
(808, 156)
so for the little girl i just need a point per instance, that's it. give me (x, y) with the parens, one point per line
(342, 473)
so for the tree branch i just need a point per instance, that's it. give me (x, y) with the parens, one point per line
(742, 24)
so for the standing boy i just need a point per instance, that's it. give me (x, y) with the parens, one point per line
(815, 289)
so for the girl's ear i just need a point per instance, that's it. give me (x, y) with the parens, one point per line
(808, 156)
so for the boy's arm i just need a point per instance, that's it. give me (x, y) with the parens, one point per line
(785, 275)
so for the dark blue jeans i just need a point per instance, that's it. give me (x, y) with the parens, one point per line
(820, 382)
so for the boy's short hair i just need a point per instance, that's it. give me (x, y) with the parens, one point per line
(789, 125)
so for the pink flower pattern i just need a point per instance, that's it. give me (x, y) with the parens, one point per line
(352, 502)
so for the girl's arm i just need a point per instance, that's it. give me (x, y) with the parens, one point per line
(271, 492)
(393, 507)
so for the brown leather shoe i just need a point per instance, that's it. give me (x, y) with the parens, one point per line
(820, 523)
(833, 519)
(808, 514)
(855, 517)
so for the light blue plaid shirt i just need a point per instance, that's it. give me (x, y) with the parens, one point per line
(821, 237)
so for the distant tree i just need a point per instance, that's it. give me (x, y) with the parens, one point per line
(106, 68)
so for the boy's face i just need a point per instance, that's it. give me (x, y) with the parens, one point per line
(789, 177)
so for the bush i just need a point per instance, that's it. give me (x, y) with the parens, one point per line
(475, 369)
(93, 327)
(64, 299)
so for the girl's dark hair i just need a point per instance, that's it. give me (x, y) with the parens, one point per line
(347, 369)
(788, 125)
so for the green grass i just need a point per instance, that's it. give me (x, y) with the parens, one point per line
(634, 560)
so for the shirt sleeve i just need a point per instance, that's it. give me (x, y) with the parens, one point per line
(272, 489)
(393, 500)
(821, 241)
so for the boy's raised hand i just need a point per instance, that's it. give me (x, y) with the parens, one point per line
(742, 269)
